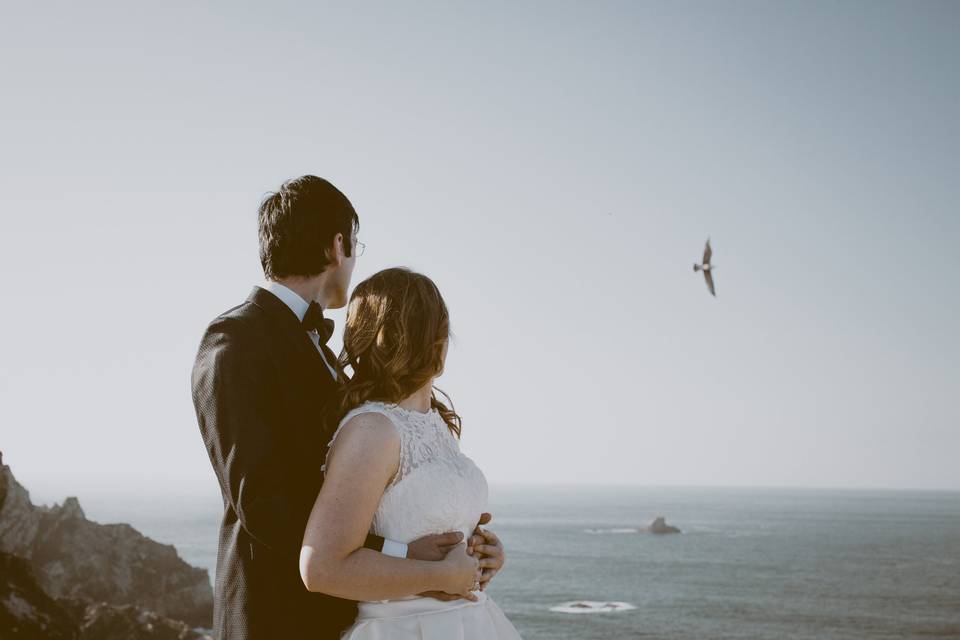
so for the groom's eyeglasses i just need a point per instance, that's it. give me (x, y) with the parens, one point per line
(358, 247)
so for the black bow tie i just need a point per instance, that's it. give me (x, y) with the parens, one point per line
(313, 320)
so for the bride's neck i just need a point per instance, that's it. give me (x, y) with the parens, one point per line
(419, 400)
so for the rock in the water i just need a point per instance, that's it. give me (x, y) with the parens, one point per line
(26, 611)
(73, 557)
(660, 526)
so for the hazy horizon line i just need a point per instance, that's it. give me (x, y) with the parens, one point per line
(43, 499)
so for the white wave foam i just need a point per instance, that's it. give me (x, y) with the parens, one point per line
(591, 606)
(602, 531)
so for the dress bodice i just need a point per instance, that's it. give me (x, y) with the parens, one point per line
(436, 488)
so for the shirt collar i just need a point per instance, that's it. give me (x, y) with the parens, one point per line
(289, 297)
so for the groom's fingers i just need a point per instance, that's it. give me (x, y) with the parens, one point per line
(485, 518)
(491, 537)
(488, 550)
(449, 539)
(492, 553)
(433, 547)
(486, 577)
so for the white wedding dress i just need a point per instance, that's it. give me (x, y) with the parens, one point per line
(436, 489)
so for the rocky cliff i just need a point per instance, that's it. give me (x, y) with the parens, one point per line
(74, 559)
(102, 621)
(26, 611)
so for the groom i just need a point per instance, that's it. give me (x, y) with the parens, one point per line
(261, 379)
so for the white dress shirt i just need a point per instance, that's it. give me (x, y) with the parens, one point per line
(299, 307)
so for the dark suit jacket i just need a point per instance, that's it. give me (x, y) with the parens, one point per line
(259, 389)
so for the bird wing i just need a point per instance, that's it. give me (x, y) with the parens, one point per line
(707, 252)
(709, 277)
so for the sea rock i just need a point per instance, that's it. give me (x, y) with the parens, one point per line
(660, 526)
(76, 558)
(26, 611)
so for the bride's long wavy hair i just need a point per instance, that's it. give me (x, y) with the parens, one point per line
(396, 333)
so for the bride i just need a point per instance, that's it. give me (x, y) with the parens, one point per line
(394, 468)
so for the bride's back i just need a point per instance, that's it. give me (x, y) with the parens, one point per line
(436, 488)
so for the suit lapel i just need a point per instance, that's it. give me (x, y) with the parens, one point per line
(335, 363)
(289, 326)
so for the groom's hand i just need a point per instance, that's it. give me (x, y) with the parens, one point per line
(488, 546)
(434, 547)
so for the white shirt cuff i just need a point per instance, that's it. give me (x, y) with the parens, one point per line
(394, 548)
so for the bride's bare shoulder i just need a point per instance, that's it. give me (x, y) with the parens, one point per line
(371, 424)
(366, 434)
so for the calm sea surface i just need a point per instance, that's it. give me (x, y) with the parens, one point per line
(749, 563)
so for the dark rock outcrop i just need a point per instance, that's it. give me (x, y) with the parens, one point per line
(75, 558)
(102, 621)
(660, 526)
(26, 611)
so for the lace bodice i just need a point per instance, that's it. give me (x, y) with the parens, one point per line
(436, 488)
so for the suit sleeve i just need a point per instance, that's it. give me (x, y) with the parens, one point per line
(237, 400)
(374, 542)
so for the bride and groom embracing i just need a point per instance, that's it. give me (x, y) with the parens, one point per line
(349, 510)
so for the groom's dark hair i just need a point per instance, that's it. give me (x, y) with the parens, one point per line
(298, 224)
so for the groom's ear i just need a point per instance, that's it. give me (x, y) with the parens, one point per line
(334, 252)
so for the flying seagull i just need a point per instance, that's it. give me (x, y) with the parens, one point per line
(707, 268)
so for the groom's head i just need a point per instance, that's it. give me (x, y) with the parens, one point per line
(307, 234)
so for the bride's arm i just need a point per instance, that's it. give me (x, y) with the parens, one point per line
(364, 458)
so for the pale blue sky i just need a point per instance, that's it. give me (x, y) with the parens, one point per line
(555, 167)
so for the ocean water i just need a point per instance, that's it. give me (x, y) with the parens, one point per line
(749, 564)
